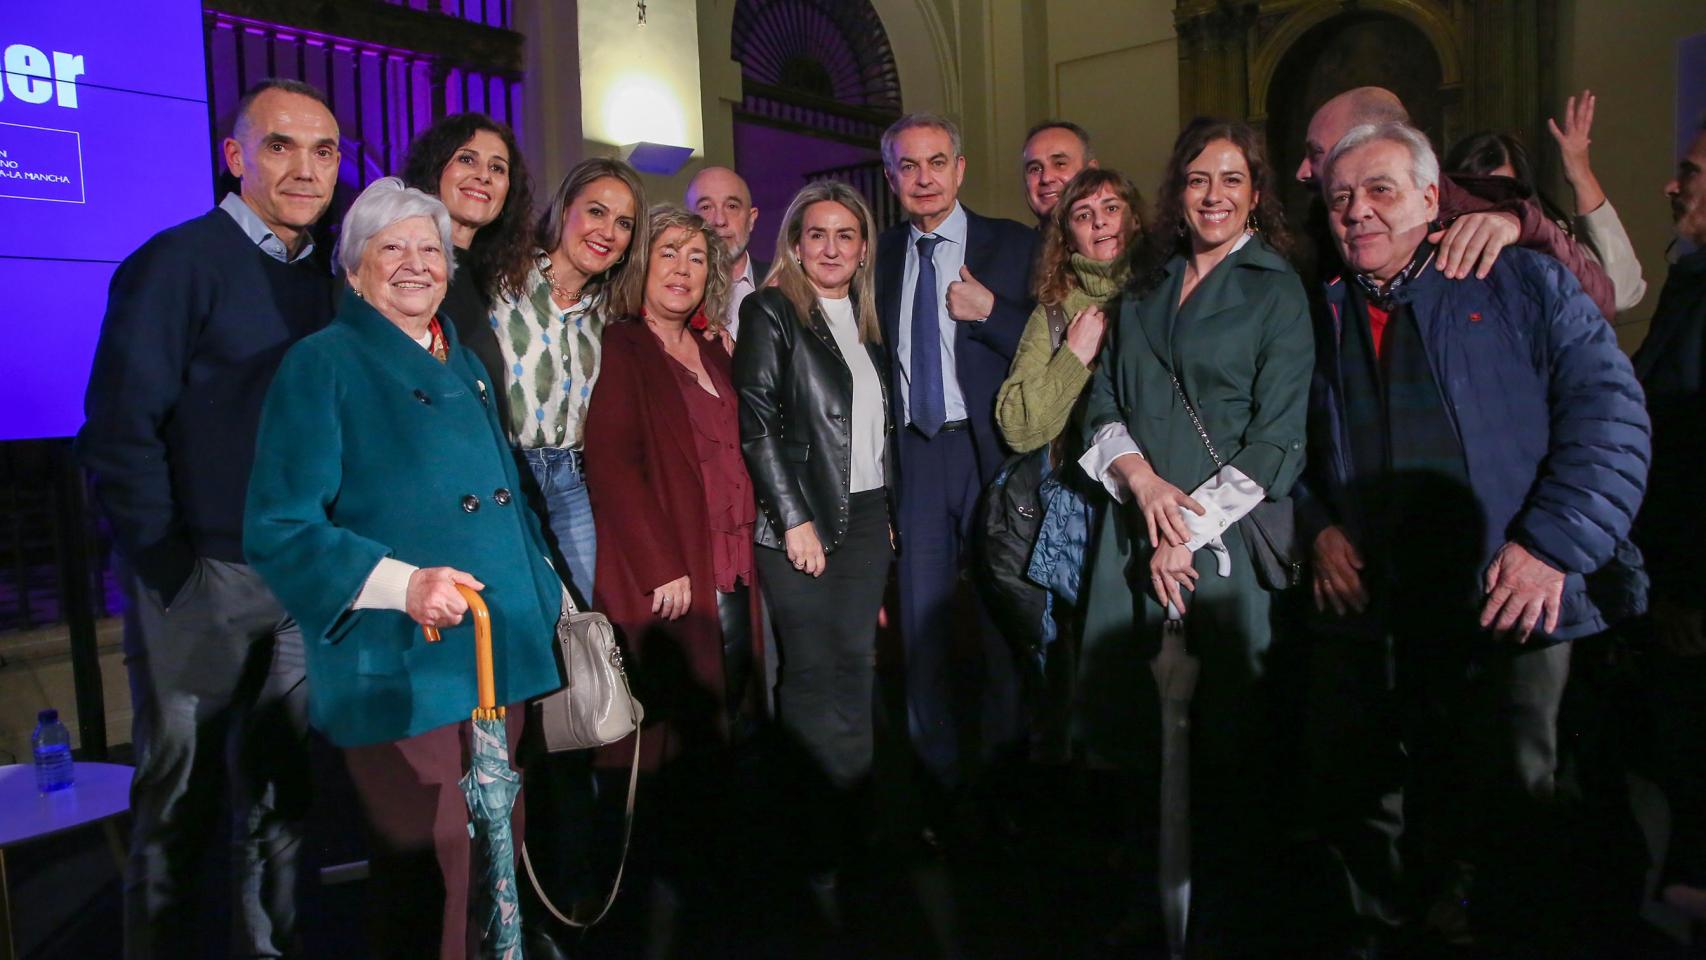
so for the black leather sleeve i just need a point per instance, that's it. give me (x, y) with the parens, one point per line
(768, 332)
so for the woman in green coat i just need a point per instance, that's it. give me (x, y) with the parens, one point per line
(382, 481)
(1223, 311)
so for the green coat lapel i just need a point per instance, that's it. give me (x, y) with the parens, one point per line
(1155, 311)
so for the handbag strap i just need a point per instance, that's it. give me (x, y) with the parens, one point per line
(627, 824)
(1056, 314)
(627, 838)
(1196, 421)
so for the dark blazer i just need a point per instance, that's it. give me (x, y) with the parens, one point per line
(648, 504)
(1000, 254)
(796, 418)
(1672, 367)
(470, 311)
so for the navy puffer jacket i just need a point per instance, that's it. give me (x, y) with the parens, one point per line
(1552, 421)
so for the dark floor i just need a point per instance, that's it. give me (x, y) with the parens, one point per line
(1047, 873)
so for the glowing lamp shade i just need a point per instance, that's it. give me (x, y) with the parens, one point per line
(640, 84)
(640, 108)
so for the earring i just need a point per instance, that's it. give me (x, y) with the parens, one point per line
(1251, 223)
(861, 264)
(799, 263)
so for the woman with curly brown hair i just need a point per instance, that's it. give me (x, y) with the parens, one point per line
(1201, 387)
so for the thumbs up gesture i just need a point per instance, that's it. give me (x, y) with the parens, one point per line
(968, 299)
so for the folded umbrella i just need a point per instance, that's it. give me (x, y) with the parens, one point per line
(1175, 673)
(490, 787)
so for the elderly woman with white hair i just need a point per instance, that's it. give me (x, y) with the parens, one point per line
(383, 480)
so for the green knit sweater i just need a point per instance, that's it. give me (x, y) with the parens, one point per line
(1044, 383)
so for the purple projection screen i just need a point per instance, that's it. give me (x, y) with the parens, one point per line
(103, 143)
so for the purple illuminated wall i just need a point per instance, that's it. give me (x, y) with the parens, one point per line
(382, 96)
(775, 162)
(103, 142)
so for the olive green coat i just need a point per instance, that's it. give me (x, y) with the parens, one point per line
(1242, 346)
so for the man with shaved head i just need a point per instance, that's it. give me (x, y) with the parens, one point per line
(721, 196)
(1472, 230)
(196, 322)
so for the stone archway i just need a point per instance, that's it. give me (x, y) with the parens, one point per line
(919, 65)
(1336, 54)
(1494, 67)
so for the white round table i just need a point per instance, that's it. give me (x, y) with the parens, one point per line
(101, 791)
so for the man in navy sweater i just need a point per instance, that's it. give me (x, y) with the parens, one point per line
(197, 320)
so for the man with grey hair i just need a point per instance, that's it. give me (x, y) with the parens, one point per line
(1470, 229)
(953, 295)
(1478, 447)
(196, 322)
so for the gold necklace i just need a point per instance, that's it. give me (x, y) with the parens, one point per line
(558, 291)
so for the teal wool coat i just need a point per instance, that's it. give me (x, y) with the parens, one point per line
(368, 448)
(1243, 347)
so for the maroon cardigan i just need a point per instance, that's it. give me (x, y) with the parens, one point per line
(648, 505)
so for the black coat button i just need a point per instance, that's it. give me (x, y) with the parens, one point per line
(470, 503)
(422, 397)
(501, 496)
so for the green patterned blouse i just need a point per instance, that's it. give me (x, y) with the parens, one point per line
(551, 361)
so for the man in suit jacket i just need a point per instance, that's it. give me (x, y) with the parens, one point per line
(953, 295)
(1672, 366)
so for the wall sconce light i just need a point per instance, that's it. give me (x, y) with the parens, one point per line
(659, 158)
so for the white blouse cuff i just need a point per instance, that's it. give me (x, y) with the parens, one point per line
(1225, 498)
(1110, 442)
(387, 587)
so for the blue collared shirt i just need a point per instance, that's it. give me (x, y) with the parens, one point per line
(260, 233)
(948, 257)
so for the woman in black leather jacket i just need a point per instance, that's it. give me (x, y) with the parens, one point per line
(814, 429)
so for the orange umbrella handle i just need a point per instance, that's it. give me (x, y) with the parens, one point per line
(488, 709)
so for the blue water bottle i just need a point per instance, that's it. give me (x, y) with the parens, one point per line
(52, 745)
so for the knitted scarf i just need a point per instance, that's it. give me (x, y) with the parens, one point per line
(1098, 282)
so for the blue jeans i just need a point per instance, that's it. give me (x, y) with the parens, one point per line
(567, 516)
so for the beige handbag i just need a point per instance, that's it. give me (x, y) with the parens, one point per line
(595, 706)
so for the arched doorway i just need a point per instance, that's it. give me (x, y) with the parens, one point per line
(818, 87)
(1346, 51)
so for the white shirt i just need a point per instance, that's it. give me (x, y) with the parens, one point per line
(948, 257)
(867, 429)
(739, 289)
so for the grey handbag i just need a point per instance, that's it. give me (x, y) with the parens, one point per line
(595, 706)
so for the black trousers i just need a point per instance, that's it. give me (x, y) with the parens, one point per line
(826, 629)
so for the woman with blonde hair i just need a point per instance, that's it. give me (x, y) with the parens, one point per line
(815, 429)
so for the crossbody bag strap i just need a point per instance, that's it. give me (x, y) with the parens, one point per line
(627, 837)
(1056, 314)
(1196, 421)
